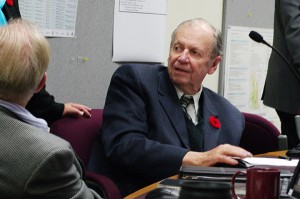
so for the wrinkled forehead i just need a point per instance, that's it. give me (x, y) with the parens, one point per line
(200, 36)
(197, 28)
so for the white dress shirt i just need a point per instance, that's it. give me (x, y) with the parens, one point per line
(192, 109)
(25, 115)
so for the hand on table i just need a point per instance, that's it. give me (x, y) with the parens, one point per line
(221, 154)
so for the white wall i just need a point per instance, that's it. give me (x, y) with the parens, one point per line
(181, 10)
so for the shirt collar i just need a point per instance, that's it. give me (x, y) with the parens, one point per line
(25, 115)
(196, 96)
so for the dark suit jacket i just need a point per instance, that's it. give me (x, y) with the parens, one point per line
(11, 12)
(144, 133)
(282, 89)
(43, 105)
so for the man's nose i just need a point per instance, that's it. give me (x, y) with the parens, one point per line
(184, 56)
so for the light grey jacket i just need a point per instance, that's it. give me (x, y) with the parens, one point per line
(37, 164)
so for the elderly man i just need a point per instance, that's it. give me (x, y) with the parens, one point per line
(158, 118)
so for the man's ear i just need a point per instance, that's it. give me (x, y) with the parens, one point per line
(214, 65)
(41, 84)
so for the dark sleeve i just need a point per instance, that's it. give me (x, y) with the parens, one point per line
(11, 12)
(43, 105)
(290, 19)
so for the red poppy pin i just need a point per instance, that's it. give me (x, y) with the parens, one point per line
(214, 122)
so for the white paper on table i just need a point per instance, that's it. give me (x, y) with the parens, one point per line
(272, 161)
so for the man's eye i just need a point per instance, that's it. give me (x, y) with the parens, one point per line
(194, 52)
(177, 48)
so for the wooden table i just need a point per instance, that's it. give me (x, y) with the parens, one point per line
(272, 154)
(140, 194)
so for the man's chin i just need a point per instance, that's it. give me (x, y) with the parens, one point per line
(178, 81)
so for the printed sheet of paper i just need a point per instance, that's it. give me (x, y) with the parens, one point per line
(56, 18)
(246, 63)
(272, 161)
(139, 30)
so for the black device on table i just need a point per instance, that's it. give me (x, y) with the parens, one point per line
(241, 164)
(163, 193)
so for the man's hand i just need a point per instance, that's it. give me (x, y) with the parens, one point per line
(76, 110)
(221, 154)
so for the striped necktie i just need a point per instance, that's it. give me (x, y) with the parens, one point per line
(195, 132)
(185, 102)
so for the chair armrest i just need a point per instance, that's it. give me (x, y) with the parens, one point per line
(102, 185)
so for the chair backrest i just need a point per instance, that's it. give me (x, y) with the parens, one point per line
(80, 132)
(260, 135)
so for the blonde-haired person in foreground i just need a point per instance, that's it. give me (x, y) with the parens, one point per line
(34, 163)
(43, 104)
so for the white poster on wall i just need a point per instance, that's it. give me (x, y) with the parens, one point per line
(246, 63)
(139, 30)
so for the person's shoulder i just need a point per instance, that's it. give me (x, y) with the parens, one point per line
(48, 145)
(139, 71)
(140, 67)
(55, 141)
(22, 136)
(211, 93)
(217, 98)
(38, 137)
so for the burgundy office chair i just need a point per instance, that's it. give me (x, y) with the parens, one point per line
(260, 135)
(81, 133)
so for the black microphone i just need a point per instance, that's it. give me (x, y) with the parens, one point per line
(255, 36)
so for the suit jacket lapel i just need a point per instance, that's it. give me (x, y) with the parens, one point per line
(170, 103)
(211, 134)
